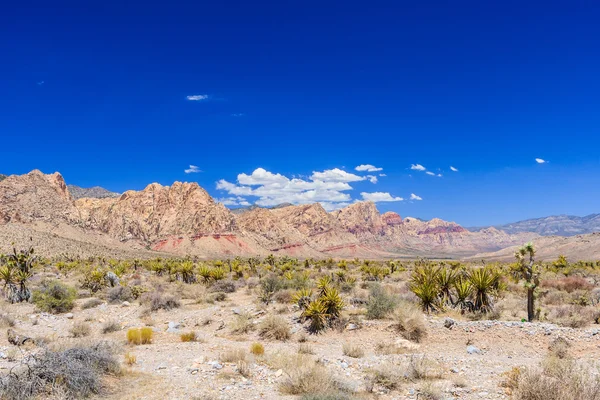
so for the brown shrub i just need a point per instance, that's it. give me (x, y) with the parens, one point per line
(274, 327)
(569, 284)
(410, 322)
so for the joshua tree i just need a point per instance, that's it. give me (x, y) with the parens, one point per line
(526, 269)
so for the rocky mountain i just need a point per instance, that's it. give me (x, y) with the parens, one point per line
(184, 219)
(561, 225)
(3, 177)
(95, 192)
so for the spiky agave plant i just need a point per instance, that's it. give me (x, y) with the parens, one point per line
(205, 273)
(323, 284)
(445, 279)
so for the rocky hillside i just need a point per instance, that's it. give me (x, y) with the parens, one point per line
(560, 225)
(2, 177)
(95, 192)
(184, 219)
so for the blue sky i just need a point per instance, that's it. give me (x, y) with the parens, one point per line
(100, 93)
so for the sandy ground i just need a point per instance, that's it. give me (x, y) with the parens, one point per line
(170, 369)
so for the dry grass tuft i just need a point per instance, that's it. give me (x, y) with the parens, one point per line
(139, 336)
(353, 351)
(233, 356)
(80, 329)
(304, 376)
(305, 349)
(257, 349)
(242, 323)
(130, 359)
(410, 322)
(274, 327)
(111, 326)
(189, 337)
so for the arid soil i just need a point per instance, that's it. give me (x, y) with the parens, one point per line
(168, 368)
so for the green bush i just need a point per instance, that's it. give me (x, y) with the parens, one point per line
(54, 297)
(380, 303)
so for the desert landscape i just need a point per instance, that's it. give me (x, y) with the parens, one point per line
(166, 293)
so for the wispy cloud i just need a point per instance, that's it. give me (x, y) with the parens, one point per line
(336, 175)
(417, 167)
(197, 97)
(367, 168)
(372, 178)
(541, 161)
(237, 115)
(192, 169)
(382, 174)
(379, 197)
(415, 197)
(40, 83)
(453, 169)
(433, 174)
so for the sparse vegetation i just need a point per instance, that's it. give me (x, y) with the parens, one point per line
(257, 349)
(80, 329)
(275, 328)
(54, 297)
(139, 336)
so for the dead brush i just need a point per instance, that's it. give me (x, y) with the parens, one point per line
(352, 350)
(410, 322)
(242, 323)
(233, 356)
(304, 376)
(274, 327)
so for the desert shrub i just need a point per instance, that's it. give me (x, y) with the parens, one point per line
(243, 368)
(54, 297)
(353, 351)
(6, 321)
(233, 356)
(138, 336)
(387, 375)
(559, 348)
(568, 284)
(242, 323)
(94, 280)
(304, 376)
(91, 303)
(410, 322)
(80, 329)
(268, 286)
(225, 286)
(257, 349)
(119, 294)
(189, 337)
(429, 391)
(556, 297)
(388, 348)
(421, 367)
(158, 301)
(274, 327)
(111, 326)
(380, 303)
(74, 373)
(571, 315)
(284, 296)
(558, 379)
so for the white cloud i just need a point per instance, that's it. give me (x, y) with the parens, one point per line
(197, 97)
(336, 175)
(453, 169)
(372, 178)
(368, 168)
(382, 174)
(430, 173)
(260, 176)
(234, 201)
(417, 167)
(379, 197)
(415, 197)
(238, 115)
(540, 161)
(193, 169)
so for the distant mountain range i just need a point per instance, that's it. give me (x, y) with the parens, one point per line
(2, 177)
(95, 192)
(554, 225)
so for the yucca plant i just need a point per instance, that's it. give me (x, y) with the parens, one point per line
(303, 297)
(425, 285)
(186, 269)
(445, 280)
(463, 289)
(526, 269)
(323, 284)
(333, 303)
(217, 274)
(316, 314)
(485, 281)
